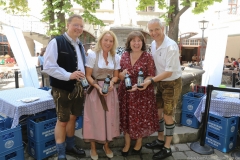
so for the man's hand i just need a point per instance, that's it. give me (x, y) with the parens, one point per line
(77, 75)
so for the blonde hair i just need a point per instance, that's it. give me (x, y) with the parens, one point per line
(98, 46)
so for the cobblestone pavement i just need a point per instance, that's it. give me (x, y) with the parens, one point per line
(180, 152)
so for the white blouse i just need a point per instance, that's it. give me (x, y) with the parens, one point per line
(91, 58)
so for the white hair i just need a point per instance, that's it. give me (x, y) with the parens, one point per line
(155, 20)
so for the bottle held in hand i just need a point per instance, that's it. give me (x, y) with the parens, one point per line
(140, 78)
(84, 83)
(106, 85)
(128, 82)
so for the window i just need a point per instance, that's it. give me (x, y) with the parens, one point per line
(150, 9)
(232, 6)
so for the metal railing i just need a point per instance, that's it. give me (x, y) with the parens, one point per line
(26, 23)
(191, 42)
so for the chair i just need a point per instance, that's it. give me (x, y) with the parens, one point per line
(226, 77)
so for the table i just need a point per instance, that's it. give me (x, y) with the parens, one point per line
(12, 106)
(223, 106)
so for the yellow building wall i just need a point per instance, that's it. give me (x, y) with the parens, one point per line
(233, 47)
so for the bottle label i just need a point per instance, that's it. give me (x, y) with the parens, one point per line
(84, 82)
(140, 80)
(128, 82)
(105, 88)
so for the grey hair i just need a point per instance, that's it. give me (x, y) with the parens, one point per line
(73, 16)
(155, 20)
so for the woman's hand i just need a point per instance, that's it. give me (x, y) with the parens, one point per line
(111, 86)
(144, 84)
(134, 88)
(100, 91)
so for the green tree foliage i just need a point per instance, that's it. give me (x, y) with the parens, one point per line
(173, 14)
(15, 6)
(56, 10)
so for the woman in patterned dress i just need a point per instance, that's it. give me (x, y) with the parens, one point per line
(138, 110)
(101, 124)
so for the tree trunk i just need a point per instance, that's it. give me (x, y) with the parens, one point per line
(61, 18)
(51, 20)
(173, 24)
(175, 18)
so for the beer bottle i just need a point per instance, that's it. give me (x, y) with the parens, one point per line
(140, 78)
(106, 85)
(84, 82)
(128, 83)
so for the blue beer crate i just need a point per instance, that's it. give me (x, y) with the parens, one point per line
(10, 138)
(51, 113)
(227, 126)
(188, 119)
(191, 100)
(40, 127)
(79, 122)
(220, 142)
(13, 154)
(43, 149)
(5, 122)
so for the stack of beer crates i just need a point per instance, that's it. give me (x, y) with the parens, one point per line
(190, 102)
(40, 131)
(11, 146)
(222, 132)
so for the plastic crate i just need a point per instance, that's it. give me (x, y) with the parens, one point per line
(79, 122)
(227, 126)
(10, 138)
(5, 123)
(13, 154)
(45, 88)
(51, 113)
(191, 101)
(220, 142)
(40, 127)
(43, 149)
(188, 119)
(201, 89)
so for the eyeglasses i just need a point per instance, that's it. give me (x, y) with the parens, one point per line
(78, 26)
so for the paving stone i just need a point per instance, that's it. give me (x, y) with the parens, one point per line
(182, 147)
(179, 155)
(222, 155)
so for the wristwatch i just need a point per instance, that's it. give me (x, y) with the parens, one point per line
(152, 81)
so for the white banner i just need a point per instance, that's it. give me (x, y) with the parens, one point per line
(22, 56)
(214, 56)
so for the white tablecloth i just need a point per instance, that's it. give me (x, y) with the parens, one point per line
(12, 106)
(224, 106)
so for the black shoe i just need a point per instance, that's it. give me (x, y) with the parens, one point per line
(163, 153)
(125, 154)
(62, 158)
(156, 144)
(76, 151)
(136, 152)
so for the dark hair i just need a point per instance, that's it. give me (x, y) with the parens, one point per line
(42, 51)
(132, 35)
(226, 57)
(73, 16)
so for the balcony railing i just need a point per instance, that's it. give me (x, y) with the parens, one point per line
(25, 23)
(191, 42)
